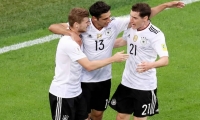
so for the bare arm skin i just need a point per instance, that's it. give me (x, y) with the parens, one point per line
(144, 66)
(61, 28)
(119, 42)
(92, 65)
(161, 7)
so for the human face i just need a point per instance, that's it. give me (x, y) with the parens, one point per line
(103, 20)
(136, 21)
(82, 27)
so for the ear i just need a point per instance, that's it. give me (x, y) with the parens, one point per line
(146, 18)
(94, 18)
(76, 25)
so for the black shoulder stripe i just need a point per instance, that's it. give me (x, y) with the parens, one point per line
(152, 29)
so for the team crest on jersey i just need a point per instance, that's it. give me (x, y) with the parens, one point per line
(143, 41)
(108, 32)
(164, 47)
(113, 102)
(65, 117)
(99, 36)
(135, 38)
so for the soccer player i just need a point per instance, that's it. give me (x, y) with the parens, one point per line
(136, 93)
(65, 93)
(98, 42)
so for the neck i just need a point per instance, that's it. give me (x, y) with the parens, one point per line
(78, 41)
(74, 31)
(96, 25)
(144, 26)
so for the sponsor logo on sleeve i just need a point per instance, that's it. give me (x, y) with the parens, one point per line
(164, 47)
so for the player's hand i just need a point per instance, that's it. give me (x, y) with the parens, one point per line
(143, 67)
(177, 4)
(76, 38)
(120, 56)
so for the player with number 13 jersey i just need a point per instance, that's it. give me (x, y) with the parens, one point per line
(98, 44)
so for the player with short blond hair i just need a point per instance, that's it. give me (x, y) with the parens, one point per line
(98, 42)
(65, 93)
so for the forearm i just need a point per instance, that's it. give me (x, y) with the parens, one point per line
(59, 29)
(119, 42)
(158, 9)
(144, 66)
(161, 62)
(96, 64)
(92, 65)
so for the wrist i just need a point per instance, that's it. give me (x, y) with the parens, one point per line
(166, 5)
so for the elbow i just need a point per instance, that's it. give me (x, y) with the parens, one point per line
(89, 69)
(166, 62)
(116, 46)
(50, 28)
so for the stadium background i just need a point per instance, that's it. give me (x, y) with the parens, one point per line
(25, 74)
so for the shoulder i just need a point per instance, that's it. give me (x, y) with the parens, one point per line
(130, 31)
(122, 19)
(67, 41)
(153, 29)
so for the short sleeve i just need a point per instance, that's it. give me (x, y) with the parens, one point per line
(125, 34)
(121, 23)
(159, 45)
(71, 48)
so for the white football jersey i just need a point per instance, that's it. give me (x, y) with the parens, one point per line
(66, 82)
(143, 46)
(98, 45)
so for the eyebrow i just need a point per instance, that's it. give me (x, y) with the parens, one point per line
(107, 17)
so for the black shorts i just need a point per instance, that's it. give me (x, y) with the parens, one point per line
(96, 94)
(137, 102)
(68, 108)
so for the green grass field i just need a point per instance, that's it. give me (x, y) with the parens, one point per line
(26, 74)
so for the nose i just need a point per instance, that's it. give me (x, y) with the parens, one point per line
(131, 20)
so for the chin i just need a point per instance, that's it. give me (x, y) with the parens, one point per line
(82, 31)
(134, 28)
(106, 25)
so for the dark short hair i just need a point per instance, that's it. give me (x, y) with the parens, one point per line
(99, 8)
(77, 15)
(143, 9)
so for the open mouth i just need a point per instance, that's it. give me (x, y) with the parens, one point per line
(133, 25)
